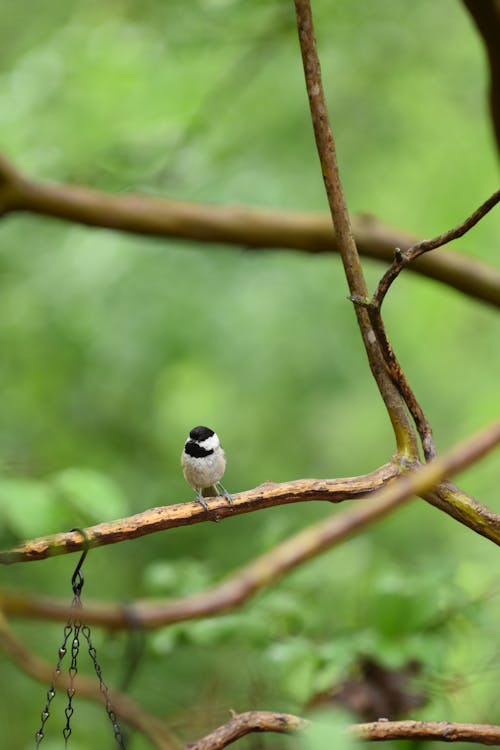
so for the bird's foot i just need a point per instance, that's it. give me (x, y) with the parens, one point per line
(222, 490)
(202, 500)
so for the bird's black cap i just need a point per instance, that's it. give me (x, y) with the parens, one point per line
(201, 433)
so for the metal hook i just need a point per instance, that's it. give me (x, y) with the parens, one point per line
(77, 579)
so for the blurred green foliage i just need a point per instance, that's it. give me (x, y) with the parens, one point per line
(113, 346)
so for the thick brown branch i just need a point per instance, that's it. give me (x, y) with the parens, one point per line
(255, 228)
(483, 734)
(87, 688)
(185, 514)
(273, 565)
(486, 15)
(325, 144)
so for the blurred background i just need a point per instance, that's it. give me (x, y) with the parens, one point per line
(114, 347)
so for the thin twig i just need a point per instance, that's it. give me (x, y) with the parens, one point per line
(273, 565)
(238, 226)
(373, 307)
(403, 259)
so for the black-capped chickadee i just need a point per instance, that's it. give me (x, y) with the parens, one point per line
(204, 463)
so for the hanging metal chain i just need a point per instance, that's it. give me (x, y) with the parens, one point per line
(68, 629)
(70, 690)
(120, 740)
(78, 628)
(77, 582)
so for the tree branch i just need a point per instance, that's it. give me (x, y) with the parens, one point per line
(273, 565)
(401, 260)
(254, 228)
(248, 723)
(325, 144)
(152, 727)
(270, 721)
(486, 16)
(373, 307)
(483, 734)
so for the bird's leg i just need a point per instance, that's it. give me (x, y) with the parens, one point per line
(218, 486)
(201, 499)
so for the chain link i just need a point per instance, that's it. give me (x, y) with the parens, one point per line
(70, 690)
(39, 735)
(120, 740)
(76, 627)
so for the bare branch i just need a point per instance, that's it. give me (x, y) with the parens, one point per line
(241, 226)
(486, 15)
(483, 734)
(403, 259)
(373, 307)
(325, 144)
(273, 565)
(270, 721)
(165, 517)
(247, 723)
(149, 725)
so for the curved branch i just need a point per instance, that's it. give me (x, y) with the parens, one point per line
(248, 723)
(149, 725)
(184, 514)
(255, 228)
(376, 731)
(486, 16)
(403, 259)
(373, 307)
(273, 565)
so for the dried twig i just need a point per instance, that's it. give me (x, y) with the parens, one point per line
(403, 259)
(271, 566)
(373, 307)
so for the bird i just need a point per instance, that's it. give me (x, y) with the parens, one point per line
(204, 463)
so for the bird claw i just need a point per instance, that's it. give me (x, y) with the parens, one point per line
(224, 493)
(201, 499)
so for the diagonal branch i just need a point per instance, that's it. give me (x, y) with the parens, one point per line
(325, 144)
(400, 261)
(403, 259)
(286, 556)
(240, 226)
